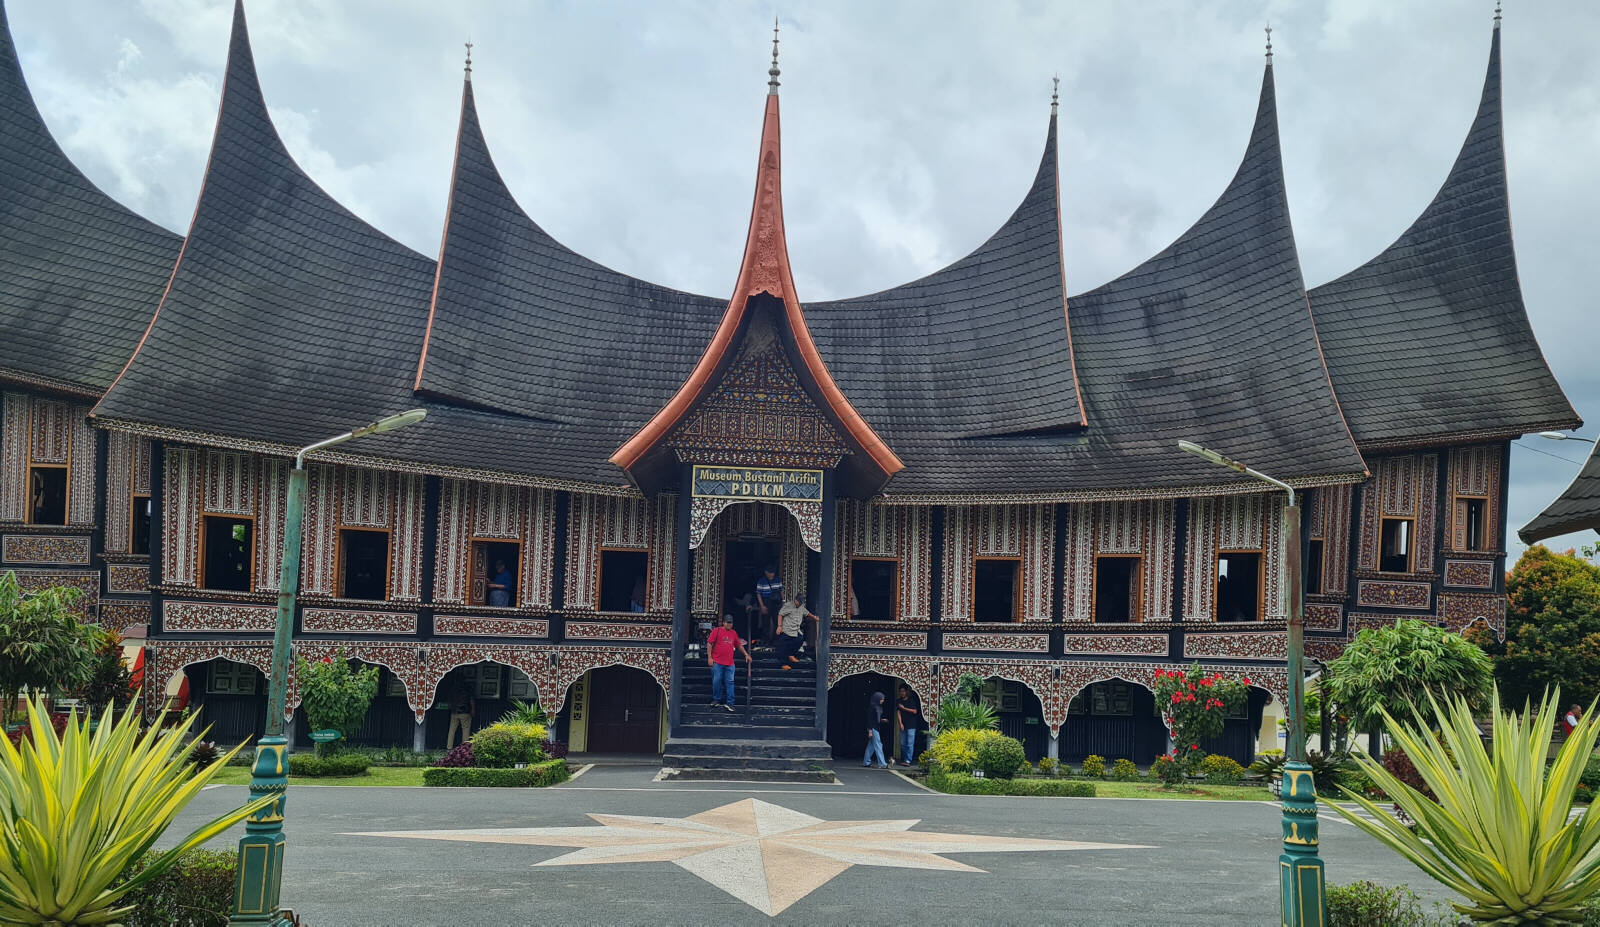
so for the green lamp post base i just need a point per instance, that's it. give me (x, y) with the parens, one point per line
(256, 888)
(1303, 901)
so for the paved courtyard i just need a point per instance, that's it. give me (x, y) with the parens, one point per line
(614, 847)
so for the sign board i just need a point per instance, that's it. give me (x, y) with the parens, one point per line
(324, 737)
(718, 482)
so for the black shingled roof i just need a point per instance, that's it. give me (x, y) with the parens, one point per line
(1575, 509)
(1429, 341)
(522, 324)
(80, 274)
(1209, 341)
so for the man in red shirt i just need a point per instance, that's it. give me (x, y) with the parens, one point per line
(719, 656)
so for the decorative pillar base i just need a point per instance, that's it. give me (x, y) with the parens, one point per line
(1303, 900)
(1053, 750)
(257, 888)
(419, 737)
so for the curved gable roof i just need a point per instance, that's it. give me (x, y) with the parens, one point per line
(1429, 341)
(80, 273)
(1211, 341)
(288, 318)
(1577, 508)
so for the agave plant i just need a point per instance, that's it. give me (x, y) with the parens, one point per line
(957, 713)
(77, 809)
(524, 713)
(1500, 831)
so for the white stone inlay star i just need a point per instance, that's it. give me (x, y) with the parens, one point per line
(763, 854)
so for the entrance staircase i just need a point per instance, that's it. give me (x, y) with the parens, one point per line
(770, 736)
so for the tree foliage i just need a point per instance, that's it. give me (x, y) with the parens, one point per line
(44, 644)
(334, 695)
(110, 684)
(1552, 629)
(1393, 669)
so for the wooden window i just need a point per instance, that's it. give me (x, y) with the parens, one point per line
(483, 680)
(1118, 588)
(1470, 526)
(1313, 567)
(1240, 581)
(623, 580)
(229, 678)
(363, 567)
(996, 590)
(487, 558)
(1395, 545)
(227, 554)
(139, 540)
(47, 495)
(521, 687)
(874, 589)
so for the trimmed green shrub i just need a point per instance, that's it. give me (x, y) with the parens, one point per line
(1123, 770)
(1001, 757)
(959, 783)
(1221, 770)
(1048, 766)
(1094, 767)
(312, 766)
(1368, 904)
(503, 745)
(1168, 770)
(958, 750)
(196, 892)
(549, 772)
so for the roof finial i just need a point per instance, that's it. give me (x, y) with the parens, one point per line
(469, 59)
(1055, 93)
(1497, 14)
(772, 72)
(1269, 44)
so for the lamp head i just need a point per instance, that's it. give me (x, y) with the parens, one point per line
(1205, 453)
(391, 423)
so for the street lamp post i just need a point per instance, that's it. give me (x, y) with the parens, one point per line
(257, 888)
(1302, 899)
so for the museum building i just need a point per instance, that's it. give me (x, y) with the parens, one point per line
(973, 472)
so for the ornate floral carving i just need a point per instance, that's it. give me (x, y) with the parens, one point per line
(87, 584)
(1380, 594)
(119, 616)
(1478, 574)
(45, 548)
(607, 631)
(1323, 617)
(490, 627)
(1457, 610)
(198, 616)
(1130, 645)
(350, 621)
(1245, 646)
(128, 577)
(1029, 643)
(881, 640)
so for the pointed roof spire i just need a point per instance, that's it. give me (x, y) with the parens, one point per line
(1497, 14)
(1269, 44)
(469, 59)
(1055, 94)
(772, 72)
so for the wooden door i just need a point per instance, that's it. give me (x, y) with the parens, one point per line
(624, 711)
(479, 594)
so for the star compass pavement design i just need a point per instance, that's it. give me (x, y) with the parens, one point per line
(763, 854)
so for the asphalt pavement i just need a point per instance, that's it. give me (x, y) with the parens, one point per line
(1190, 862)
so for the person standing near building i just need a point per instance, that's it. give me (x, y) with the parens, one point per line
(462, 708)
(874, 739)
(769, 600)
(909, 708)
(500, 585)
(792, 618)
(719, 656)
(1569, 721)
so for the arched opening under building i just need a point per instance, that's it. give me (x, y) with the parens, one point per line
(1115, 719)
(731, 562)
(486, 689)
(848, 715)
(616, 710)
(230, 699)
(1021, 714)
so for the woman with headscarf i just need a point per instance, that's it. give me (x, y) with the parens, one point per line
(874, 739)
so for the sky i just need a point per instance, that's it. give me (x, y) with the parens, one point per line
(911, 129)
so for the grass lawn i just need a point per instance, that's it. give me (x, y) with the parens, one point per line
(1108, 788)
(377, 775)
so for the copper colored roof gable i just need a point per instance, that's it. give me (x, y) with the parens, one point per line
(1576, 509)
(1429, 340)
(80, 274)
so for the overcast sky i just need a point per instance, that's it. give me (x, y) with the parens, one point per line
(911, 130)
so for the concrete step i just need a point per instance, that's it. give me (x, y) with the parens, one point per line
(690, 761)
(691, 730)
(825, 776)
(810, 749)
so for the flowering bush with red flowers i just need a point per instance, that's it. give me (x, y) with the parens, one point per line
(1196, 704)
